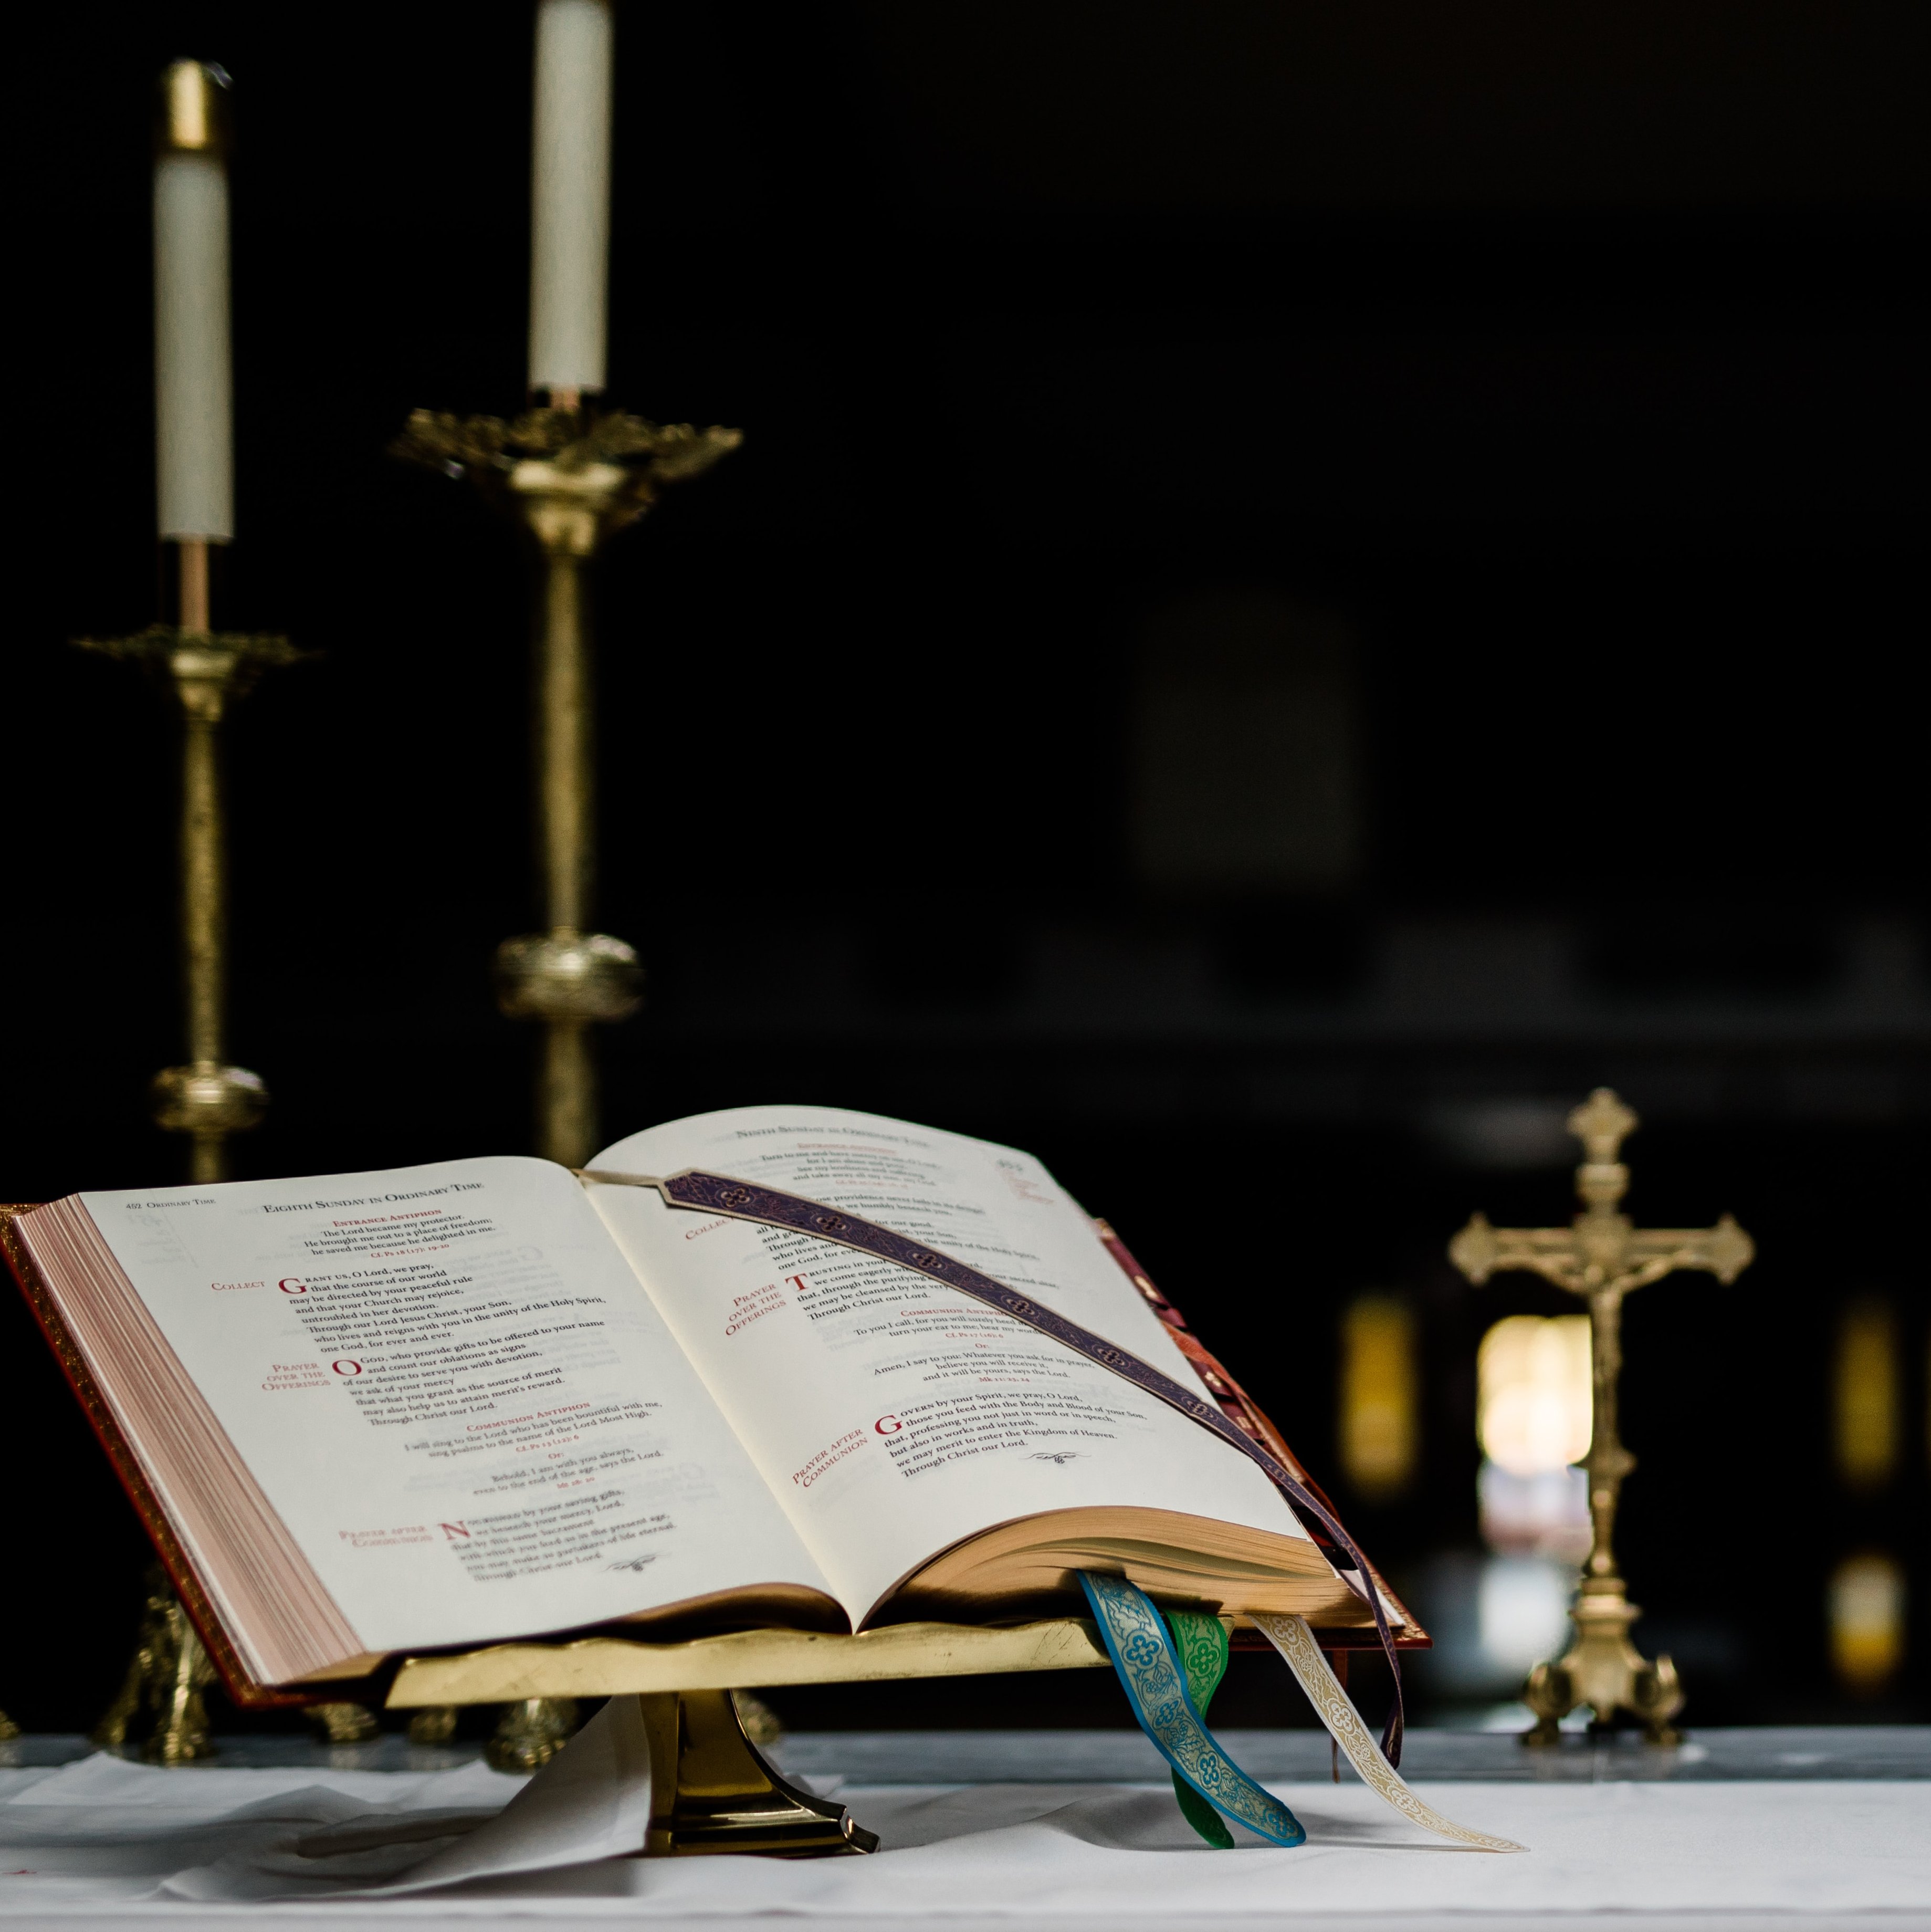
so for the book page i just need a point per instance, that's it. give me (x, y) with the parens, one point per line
(892, 1415)
(455, 1395)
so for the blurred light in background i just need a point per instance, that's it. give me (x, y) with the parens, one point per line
(1493, 1619)
(1867, 1401)
(1534, 1411)
(1867, 1622)
(1380, 1419)
(1544, 1515)
(1533, 1407)
(1497, 1616)
(1523, 1613)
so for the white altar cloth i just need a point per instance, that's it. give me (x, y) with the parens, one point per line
(91, 1845)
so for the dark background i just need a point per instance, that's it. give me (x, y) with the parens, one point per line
(1561, 371)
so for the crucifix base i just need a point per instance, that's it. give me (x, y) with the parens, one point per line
(1603, 1669)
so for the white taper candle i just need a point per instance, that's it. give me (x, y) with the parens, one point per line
(570, 221)
(194, 406)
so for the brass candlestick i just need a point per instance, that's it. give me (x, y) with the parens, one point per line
(207, 1099)
(166, 1675)
(1602, 1256)
(574, 477)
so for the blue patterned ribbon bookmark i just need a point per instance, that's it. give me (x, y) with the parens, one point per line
(1155, 1681)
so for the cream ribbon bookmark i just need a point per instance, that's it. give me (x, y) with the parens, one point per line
(1295, 1641)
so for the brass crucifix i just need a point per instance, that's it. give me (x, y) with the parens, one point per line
(1601, 1257)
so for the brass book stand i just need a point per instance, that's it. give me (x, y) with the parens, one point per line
(712, 1790)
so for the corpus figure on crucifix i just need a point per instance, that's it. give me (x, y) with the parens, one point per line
(1601, 1257)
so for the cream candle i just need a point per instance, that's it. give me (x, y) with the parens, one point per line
(194, 413)
(570, 220)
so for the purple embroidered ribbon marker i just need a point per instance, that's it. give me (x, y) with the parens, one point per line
(747, 1201)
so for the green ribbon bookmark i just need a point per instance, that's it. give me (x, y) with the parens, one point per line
(1203, 1643)
(1155, 1678)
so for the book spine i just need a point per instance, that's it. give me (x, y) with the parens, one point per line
(1247, 1415)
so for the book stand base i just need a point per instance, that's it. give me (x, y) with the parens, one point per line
(712, 1791)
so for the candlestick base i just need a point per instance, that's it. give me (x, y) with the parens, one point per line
(531, 1732)
(343, 1723)
(434, 1724)
(167, 1675)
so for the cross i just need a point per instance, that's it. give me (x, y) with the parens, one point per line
(1601, 1256)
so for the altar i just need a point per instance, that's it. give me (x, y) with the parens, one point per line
(1809, 1827)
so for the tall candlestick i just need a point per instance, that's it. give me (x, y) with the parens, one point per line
(194, 435)
(207, 1099)
(570, 185)
(574, 474)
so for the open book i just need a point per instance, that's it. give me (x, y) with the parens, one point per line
(484, 1399)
